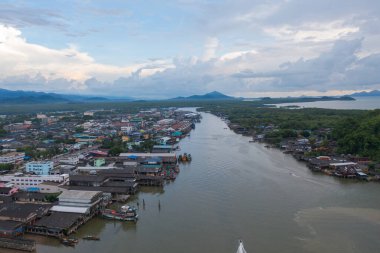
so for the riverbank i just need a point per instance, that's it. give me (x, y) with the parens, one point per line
(311, 134)
(327, 161)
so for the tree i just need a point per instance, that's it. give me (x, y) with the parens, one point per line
(116, 150)
(3, 132)
(6, 167)
(51, 198)
(305, 134)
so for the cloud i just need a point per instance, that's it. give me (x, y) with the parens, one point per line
(234, 46)
(211, 46)
(315, 32)
(338, 68)
(20, 58)
(22, 16)
(30, 66)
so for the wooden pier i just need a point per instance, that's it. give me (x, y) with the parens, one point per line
(18, 244)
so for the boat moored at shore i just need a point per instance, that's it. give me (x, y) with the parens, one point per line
(126, 213)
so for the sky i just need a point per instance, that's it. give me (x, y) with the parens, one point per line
(164, 49)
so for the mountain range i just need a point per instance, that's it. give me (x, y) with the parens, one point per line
(215, 95)
(374, 93)
(34, 97)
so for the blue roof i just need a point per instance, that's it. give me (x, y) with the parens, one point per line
(177, 133)
(33, 189)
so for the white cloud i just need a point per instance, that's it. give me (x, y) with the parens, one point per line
(19, 57)
(211, 46)
(236, 54)
(250, 46)
(314, 32)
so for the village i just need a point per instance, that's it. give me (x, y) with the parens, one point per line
(314, 148)
(59, 170)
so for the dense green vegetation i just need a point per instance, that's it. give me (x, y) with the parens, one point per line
(116, 146)
(34, 153)
(249, 115)
(51, 198)
(135, 106)
(359, 135)
(6, 167)
(2, 132)
(355, 132)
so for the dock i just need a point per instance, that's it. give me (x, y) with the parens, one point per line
(18, 244)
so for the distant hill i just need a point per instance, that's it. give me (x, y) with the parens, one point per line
(268, 100)
(215, 95)
(34, 97)
(374, 93)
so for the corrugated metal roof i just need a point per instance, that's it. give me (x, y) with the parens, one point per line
(343, 164)
(70, 209)
(73, 194)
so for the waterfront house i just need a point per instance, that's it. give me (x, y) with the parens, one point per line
(111, 180)
(26, 213)
(319, 163)
(344, 169)
(9, 228)
(74, 209)
(162, 149)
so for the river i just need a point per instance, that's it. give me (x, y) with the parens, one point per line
(234, 190)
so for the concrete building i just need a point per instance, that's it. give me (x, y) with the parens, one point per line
(32, 183)
(41, 116)
(40, 167)
(88, 113)
(12, 157)
(78, 201)
(99, 162)
(73, 160)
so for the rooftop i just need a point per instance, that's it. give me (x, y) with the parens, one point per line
(40, 162)
(17, 210)
(9, 224)
(69, 209)
(138, 155)
(58, 220)
(75, 195)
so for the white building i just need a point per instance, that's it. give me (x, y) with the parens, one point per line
(40, 167)
(127, 129)
(13, 157)
(24, 182)
(73, 160)
(73, 201)
(165, 121)
(88, 113)
(41, 116)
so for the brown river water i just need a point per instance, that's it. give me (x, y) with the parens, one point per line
(234, 190)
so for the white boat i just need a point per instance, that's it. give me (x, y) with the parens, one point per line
(241, 247)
